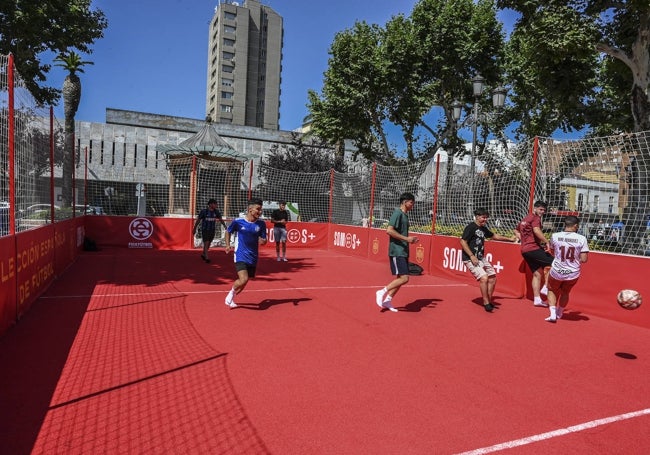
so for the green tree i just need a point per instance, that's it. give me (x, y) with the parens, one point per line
(31, 28)
(573, 63)
(352, 104)
(72, 63)
(401, 73)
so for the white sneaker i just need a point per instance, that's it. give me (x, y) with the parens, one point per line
(284, 259)
(542, 304)
(229, 300)
(390, 306)
(551, 319)
(380, 298)
(278, 259)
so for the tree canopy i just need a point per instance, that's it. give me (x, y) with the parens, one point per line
(400, 73)
(31, 28)
(580, 62)
(568, 65)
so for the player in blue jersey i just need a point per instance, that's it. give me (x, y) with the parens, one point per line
(208, 219)
(250, 232)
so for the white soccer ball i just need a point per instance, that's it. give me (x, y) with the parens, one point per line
(629, 299)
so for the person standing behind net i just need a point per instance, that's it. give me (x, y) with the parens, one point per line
(279, 218)
(533, 250)
(250, 233)
(570, 250)
(398, 251)
(473, 244)
(208, 218)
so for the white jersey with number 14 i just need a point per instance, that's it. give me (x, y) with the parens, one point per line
(566, 247)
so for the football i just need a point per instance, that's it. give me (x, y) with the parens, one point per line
(629, 299)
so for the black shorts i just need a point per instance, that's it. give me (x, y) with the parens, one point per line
(239, 266)
(207, 236)
(537, 259)
(399, 265)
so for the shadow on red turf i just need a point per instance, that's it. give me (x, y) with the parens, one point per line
(417, 305)
(268, 303)
(33, 356)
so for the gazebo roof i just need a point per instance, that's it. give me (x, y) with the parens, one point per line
(205, 142)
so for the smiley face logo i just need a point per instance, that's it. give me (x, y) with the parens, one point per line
(141, 228)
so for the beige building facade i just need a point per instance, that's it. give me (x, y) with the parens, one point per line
(245, 65)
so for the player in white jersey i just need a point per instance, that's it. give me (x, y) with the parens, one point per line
(570, 251)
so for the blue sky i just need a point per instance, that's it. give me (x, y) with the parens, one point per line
(153, 57)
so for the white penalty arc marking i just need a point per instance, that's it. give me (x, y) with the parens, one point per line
(307, 288)
(556, 433)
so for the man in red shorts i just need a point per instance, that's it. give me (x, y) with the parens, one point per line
(533, 249)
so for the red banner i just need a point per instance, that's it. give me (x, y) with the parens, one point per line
(350, 240)
(418, 253)
(602, 277)
(446, 260)
(8, 306)
(140, 232)
(35, 264)
(301, 235)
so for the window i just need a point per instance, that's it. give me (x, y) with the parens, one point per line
(228, 42)
(610, 206)
(229, 29)
(227, 68)
(596, 203)
(230, 16)
(226, 108)
(581, 198)
(228, 55)
(226, 95)
(227, 82)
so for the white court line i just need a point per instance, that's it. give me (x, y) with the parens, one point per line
(308, 288)
(556, 433)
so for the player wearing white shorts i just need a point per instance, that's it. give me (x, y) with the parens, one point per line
(279, 218)
(570, 251)
(473, 244)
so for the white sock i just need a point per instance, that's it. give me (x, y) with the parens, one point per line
(388, 299)
(544, 290)
(553, 312)
(537, 300)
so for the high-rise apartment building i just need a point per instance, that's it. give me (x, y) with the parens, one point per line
(245, 64)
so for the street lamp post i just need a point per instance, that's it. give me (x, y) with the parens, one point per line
(498, 101)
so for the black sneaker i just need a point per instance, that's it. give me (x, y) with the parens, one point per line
(488, 307)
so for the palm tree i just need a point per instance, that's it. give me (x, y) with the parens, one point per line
(72, 62)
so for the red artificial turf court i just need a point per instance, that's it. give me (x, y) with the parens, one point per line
(135, 352)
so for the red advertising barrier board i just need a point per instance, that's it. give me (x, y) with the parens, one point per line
(140, 232)
(8, 308)
(68, 240)
(35, 264)
(446, 260)
(602, 277)
(176, 233)
(301, 235)
(418, 253)
(350, 240)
